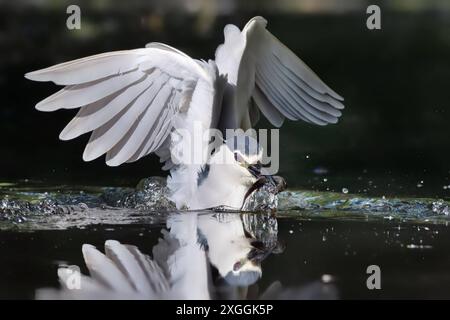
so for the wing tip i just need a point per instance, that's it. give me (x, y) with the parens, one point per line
(112, 243)
(88, 156)
(331, 93)
(113, 163)
(337, 96)
(44, 107)
(334, 121)
(279, 123)
(35, 76)
(39, 107)
(29, 75)
(87, 248)
(65, 135)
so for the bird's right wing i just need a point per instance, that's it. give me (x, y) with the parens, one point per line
(131, 100)
(122, 272)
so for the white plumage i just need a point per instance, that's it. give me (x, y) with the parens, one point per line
(134, 101)
(180, 267)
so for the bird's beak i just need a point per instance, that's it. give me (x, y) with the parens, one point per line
(258, 252)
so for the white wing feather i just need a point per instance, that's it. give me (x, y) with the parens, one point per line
(129, 99)
(179, 269)
(281, 84)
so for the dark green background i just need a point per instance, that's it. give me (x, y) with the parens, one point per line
(395, 81)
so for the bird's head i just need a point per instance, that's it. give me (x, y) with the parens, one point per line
(246, 157)
(235, 171)
(241, 264)
(238, 161)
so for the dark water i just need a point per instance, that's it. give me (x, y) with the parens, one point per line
(324, 241)
(389, 151)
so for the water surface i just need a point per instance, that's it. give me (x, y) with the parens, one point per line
(318, 245)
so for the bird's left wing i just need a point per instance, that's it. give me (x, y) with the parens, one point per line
(131, 100)
(280, 84)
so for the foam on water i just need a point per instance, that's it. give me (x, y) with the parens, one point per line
(38, 207)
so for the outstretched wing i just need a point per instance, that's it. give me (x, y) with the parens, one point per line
(122, 272)
(130, 100)
(279, 82)
(178, 270)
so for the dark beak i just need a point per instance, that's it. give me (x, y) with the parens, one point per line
(259, 252)
(257, 256)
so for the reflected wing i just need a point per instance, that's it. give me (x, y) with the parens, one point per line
(123, 272)
(130, 100)
(178, 270)
(279, 82)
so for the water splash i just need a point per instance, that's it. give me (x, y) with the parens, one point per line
(37, 206)
(263, 199)
(63, 207)
(151, 194)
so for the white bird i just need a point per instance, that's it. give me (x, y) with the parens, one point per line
(181, 267)
(135, 102)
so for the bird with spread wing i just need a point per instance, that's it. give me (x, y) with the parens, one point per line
(133, 101)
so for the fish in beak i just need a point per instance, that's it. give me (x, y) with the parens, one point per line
(275, 184)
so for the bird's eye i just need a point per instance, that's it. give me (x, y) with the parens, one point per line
(237, 266)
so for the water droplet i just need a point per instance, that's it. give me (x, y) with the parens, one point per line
(420, 246)
(327, 278)
(320, 170)
(440, 207)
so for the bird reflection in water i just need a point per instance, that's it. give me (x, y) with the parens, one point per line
(199, 256)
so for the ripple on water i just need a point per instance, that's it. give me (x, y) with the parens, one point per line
(70, 207)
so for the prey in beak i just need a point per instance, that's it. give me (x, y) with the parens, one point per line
(273, 184)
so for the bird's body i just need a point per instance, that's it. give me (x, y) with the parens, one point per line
(138, 102)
